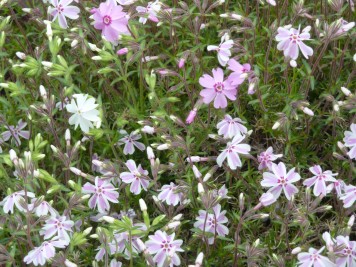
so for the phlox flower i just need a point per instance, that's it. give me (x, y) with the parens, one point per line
(221, 193)
(85, 112)
(61, 9)
(214, 222)
(15, 132)
(137, 177)
(15, 199)
(349, 196)
(291, 40)
(39, 255)
(130, 141)
(215, 88)
(115, 263)
(223, 49)
(230, 127)
(62, 104)
(149, 12)
(319, 180)
(281, 180)
(170, 193)
(232, 151)
(239, 71)
(350, 141)
(163, 246)
(338, 185)
(59, 226)
(345, 27)
(103, 192)
(42, 209)
(346, 255)
(266, 158)
(110, 18)
(312, 258)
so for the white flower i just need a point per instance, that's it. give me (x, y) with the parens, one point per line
(84, 112)
(223, 49)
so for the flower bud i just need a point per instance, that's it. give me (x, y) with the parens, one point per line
(276, 125)
(109, 219)
(296, 250)
(143, 205)
(181, 63)
(74, 43)
(148, 129)
(293, 63)
(351, 221)
(122, 51)
(21, 55)
(191, 116)
(199, 259)
(196, 172)
(346, 91)
(200, 189)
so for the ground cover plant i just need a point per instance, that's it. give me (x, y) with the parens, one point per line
(177, 133)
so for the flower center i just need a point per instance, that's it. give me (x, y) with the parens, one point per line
(282, 180)
(60, 8)
(218, 87)
(107, 20)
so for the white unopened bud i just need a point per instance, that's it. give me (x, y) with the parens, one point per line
(164, 147)
(193, 159)
(155, 199)
(177, 217)
(224, 15)
(27, 10)
(237, 17)
(109, 219)
(207, 177)
(336, 107)
(96, 58)
(150, 154)
(199, 260)
(75, 171)
(201, 189)
(43, 92)
(70, 264)
(346, 91)
(21, 55)
(13, 155)
(173, 225)
(74, 43)
(148, 129)
(276, 125)
(296, 250)
(93, 47)
(307, 111)
(143, 205)
(140, 244)
(196, 172)
(67, 135)
(47, 64)
(293, 63)
(351, 221)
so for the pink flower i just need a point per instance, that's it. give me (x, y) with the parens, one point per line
(59, 226)
(103, 192)
(181, 63)
(346, 255)
(110, 18)
(223, 49)
(339, 186)
(39, 255)
(281, 180)
(215, 88)
(15, 199)
(232, 151)
(271, 2)
(230, 127)
(266, 158)
(16, 132)
(312, 258)
(149, 12)
(346, 26)
(122, 51)
(267, 199)
(164, 247)
(61, 10)
(319, 180)
(130, 141)
(137, 177)
(350, 141)
(291, 40)
(42, 209)
(239, 73)
(214, 222)
(349, 196)
(170, 193)
(191, 116)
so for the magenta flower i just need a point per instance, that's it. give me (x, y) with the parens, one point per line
(319, 180)
(214, 222)
(230, 127)
(266, 158)
(103, 192)
(239, 73)
(15, 199)
(215, 88)
(349, 196)
(232, 151)
(281, 180)
(223, 49)
(346, 255)
(16, 132)
(350, 141)
(170, 193)
(39, 255)
(149, 12)
(137, 177)
(110, 18)
(130, 141)
(61, 9)
(164, 247)
(59, 226)
(312, 258)
(291, 40)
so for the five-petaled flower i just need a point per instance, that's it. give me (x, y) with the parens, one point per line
(349, 195)
(137, 177)
(61, 9)
(230, 127)
(103, 192)
(313, 258)
(165, 248)
(266, 158)
(215, 88)
(223, 49)
(350, 141)
(291, 40)
(232, 151)
(110, 18)
(281, 180)
(346, 254)
(171, 194)
(149, 12)
(212, 222)
(59, 226)
(239, 72)
(130, 141)
(85, 112)
(319, 180)
(16, 132)
(15, 199)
